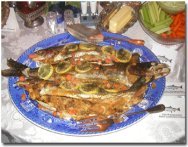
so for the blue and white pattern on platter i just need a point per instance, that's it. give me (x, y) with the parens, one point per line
(30, 111)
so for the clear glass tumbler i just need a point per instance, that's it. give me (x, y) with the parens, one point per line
(51, 20)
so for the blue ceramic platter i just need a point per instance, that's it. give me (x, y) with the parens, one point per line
(30, 111)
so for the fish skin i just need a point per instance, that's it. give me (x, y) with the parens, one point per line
(80, 54)
(78, 95)
(52, 88)
(53, 56)
(47, 55)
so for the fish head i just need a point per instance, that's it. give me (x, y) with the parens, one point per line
(150, 69)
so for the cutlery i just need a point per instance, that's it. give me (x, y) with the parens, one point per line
(94, 36)
(133, 41)
(100, 125)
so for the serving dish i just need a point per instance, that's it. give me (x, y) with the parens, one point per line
(156, 37)
(107, 10)
(30, 111)
(174, 7)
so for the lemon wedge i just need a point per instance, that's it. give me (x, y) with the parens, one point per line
(45, 71)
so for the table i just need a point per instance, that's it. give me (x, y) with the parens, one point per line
(165, 127)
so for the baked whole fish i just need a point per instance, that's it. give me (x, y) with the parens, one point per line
(105, 55)
(82, 80)
(75, 52)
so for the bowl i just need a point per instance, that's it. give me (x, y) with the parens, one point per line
(107, 10)
(173, 7)
(157, 37)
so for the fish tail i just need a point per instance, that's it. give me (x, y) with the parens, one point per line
(15, 69)
(11, 72)
(15, 65)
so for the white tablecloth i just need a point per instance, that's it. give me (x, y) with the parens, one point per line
(165, 127)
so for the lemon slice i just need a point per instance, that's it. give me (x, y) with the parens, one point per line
(108, 50)
(123, 55)
(45, 71)
(71, 47)
(84, 67)
(63, 67)
(84, 46)
(111, 90)
(89, 88)
(68, 86)
(109, 87)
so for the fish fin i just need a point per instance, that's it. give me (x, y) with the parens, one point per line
(170, 60)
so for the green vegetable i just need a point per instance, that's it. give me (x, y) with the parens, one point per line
(158, 28)
(146, 24)
(155, 10)
(165, 22)
(162, 15)
(151, 14)
(154, 18)
(141, 13)
(163, 30)
(145, 14)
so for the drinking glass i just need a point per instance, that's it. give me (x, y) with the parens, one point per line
(51, 20)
